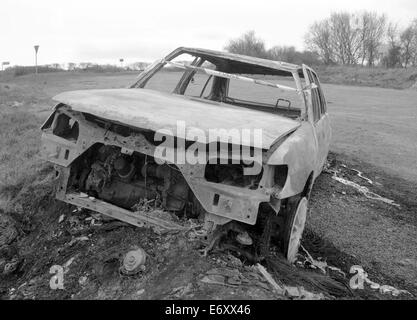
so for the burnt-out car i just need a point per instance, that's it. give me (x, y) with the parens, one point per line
(153, 143)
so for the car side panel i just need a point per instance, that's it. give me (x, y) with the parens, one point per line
(300, 153)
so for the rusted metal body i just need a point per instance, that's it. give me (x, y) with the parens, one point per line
(104, 127)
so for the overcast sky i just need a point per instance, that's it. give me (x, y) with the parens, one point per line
(137, 30)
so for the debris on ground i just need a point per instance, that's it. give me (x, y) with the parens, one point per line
(77, 239)
(365, 191)
(362, 189)
(319, 264)
(224, 276)
(294, 292)
(67, 264)
(358, 173)
(140, 292)
(93, 251)
(244, 239)
(133, 262)
(82, 280)
(11, 266)
(333, 285)
(179, 292)
(303, 294)
(277, 288)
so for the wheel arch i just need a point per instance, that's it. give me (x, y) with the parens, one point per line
(308, 186)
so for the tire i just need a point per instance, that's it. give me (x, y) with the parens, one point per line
(296, 214)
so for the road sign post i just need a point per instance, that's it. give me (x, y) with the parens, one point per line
(36, 58)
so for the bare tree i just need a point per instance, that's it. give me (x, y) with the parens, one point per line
(414, 43)
(287, 54)
(318, 39)
(345, 37)
(392, 34)
(336, 39)
(348, 38)
(248, 44)
(71, 66)
(373, 29)
(392, 58)
(408, 40)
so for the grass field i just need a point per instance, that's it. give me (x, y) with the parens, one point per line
(374, 130)
(397, 78)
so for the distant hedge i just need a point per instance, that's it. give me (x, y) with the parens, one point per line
(23, 70)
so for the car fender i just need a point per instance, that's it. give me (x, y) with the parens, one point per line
(299, 152)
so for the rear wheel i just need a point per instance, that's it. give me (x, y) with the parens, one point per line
(295, 219)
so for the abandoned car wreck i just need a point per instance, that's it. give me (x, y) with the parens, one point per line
(105, 145)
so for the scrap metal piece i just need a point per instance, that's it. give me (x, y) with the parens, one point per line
(139, 219)
(277, 288)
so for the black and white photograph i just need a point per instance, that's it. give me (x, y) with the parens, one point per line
(210, 155)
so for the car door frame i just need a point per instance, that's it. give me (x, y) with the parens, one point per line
(321, 126)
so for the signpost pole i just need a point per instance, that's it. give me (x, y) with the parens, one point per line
(36, 58)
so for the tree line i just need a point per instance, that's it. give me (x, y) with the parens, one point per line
(364, 38)
(80, 67)
(251, 45)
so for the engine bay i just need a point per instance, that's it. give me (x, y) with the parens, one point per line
(104, 172)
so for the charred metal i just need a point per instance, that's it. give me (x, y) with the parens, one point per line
(103, 145)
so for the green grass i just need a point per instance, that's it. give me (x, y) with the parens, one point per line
(20, 164)
(19, 137)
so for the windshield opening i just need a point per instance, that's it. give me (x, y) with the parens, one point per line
(227, 81)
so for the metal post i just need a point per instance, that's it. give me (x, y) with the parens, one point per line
(36, 58)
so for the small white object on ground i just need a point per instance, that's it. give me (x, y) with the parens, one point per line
(359, 174)
(82, 280)
(244, 239)
(67, 264)
(278, 289)
(134, 261)
(321, 265)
